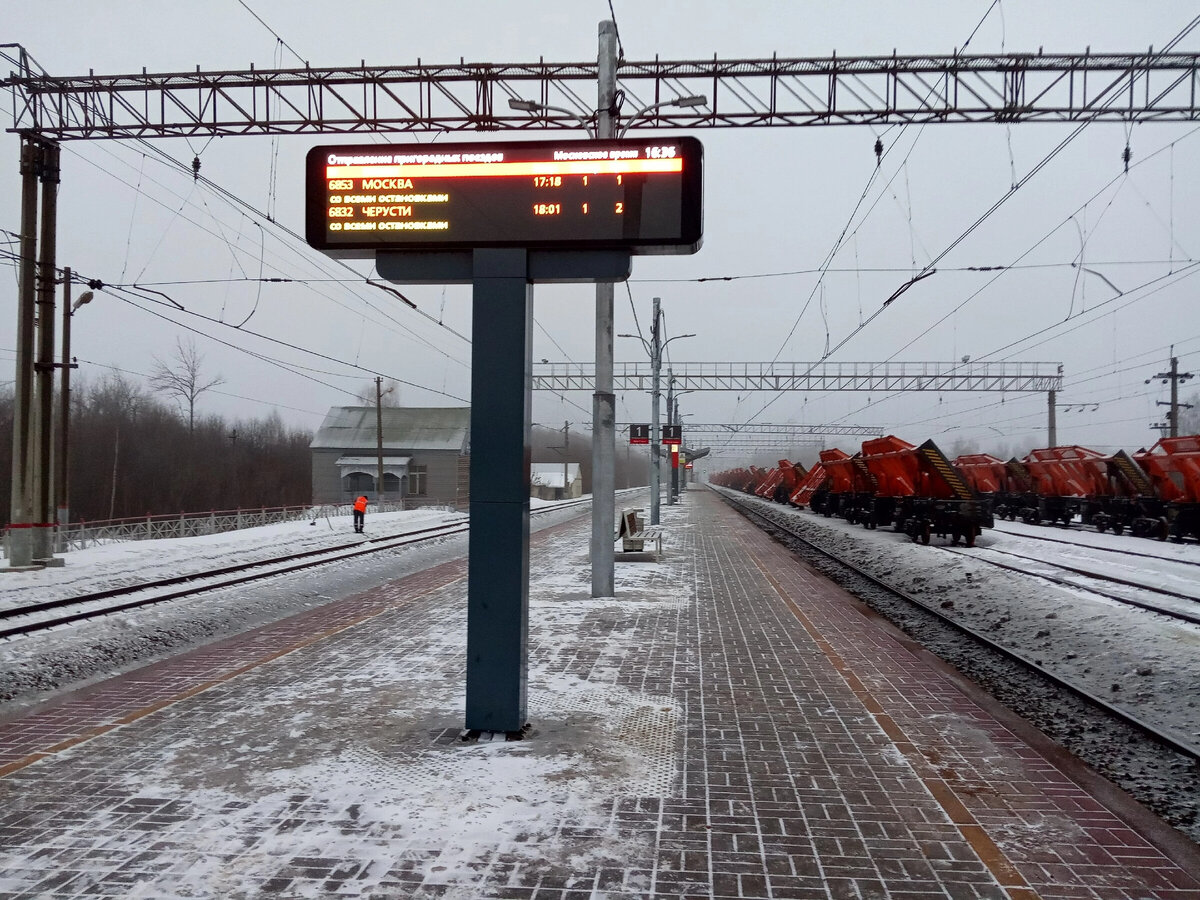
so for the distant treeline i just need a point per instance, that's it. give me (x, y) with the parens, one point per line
(132, 454)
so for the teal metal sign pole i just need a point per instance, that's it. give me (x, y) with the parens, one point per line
(498, 564)
(501, 411)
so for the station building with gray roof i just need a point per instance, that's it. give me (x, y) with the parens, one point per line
(426, 455)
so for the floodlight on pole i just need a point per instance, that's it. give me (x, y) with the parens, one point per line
(532, 106)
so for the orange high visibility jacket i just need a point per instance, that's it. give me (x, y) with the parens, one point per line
(361, 504)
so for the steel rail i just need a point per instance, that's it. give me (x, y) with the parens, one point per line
(253, 571)
(1053, 540)
(232, 575)
(1175, 742)
(1128, 601)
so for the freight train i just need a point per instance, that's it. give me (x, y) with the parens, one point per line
(917, 490)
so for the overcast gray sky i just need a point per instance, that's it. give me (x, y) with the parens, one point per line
(776, 202)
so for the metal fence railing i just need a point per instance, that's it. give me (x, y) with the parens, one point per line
(83, 534)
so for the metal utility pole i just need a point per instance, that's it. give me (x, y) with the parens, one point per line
(655, 431)
(1174, 377)
(43, 487)
(379, 440)
(1050, 411)
(566, 465)
(64, 409)
(671, 421)
(20, 548)
(604, 401)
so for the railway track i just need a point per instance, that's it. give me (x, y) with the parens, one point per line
(29, 618)
(1102, 549)
(1162, 737)
(32, 617)
(1188, 611)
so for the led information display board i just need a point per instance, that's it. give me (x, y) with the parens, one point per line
(643, 196)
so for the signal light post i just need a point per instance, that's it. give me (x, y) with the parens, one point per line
(655, 348)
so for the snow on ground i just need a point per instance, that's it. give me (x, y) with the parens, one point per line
(379, 785)
(123, 563)
(34, 667)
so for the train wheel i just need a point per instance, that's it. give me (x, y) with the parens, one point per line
(973, 531)
(926, 532)
(1163, 530)
(1118, 529)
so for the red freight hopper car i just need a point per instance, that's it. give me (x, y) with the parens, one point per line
(756, 478)
(918, 490)
(850, 483)
(984, 473)
(766, 487)
(1108, 492)
(1173, 465)
(1062, 478)
(791, 474)
(816, 481)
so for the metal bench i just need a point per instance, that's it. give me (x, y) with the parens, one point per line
(633, 533)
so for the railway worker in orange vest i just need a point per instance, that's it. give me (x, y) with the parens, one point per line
(360, 513)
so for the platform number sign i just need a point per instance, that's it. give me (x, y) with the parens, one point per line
(672, 434)
(639, 434)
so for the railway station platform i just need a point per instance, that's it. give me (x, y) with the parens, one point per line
(729, 725)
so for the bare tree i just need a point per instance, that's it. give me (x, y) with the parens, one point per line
(180, 378)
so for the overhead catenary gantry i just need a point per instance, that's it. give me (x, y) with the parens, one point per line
(788, 430)
(1024, 377)
(774, 92)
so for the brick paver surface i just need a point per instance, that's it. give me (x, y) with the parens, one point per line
(728, 726)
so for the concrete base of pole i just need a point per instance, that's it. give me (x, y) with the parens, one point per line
(50, 562)
(20, 549)
(42, 542)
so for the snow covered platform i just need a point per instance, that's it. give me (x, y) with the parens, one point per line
(729, 725)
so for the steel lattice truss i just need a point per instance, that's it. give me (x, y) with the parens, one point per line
(754, 431)
(777, 448)
(474, 96)
(802, 376)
